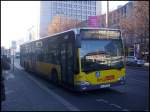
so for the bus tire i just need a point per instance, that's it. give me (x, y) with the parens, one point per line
(54, 76)
(27, 66)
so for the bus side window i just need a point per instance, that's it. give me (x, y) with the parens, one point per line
(40, 56)
(45, 51)
(57, 56)
(46, 55)
(54, 56)
(70, 56)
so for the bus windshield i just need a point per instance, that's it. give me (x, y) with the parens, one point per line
(101, 54)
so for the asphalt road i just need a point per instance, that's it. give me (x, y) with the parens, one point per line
(26, 91)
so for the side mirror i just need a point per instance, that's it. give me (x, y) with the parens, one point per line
(76, 62)
(78, 41)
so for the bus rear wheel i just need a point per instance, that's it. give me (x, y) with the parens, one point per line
(54, 76)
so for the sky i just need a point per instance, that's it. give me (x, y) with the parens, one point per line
(112, 5)
(18, 16)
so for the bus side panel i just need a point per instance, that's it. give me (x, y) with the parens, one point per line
(107, 77)
(67, 58)
(92, 79)
(46, 68)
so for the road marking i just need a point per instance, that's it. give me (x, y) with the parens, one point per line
(9, 91)
(138, 81)
(59, 98)
(125, 110)
(140, 69)
(117, 106)
(102, 100)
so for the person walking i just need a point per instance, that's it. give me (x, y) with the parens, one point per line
(5, 65)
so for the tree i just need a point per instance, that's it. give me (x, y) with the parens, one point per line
(137, 25)
(61, 23)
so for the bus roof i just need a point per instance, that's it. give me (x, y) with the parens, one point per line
(76, 30)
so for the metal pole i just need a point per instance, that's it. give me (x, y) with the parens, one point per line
(13, 58)
(107, 13)
(76, 18)
(60, 23)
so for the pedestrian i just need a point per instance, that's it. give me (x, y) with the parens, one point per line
(2, 89)
(5, 65)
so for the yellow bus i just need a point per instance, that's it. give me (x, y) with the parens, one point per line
(80, 59)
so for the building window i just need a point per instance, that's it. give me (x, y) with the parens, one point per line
(85, 12)
(84, 7)
(74, 11)
(75, 1)
(79, 6)
(65, 5)
(84, 2)
(78, 11)
(93, 8)
(89, 8)
(79, 16)
(75, 6)
(89, 2)
(79, 2)
(93, 3)
(71, 11)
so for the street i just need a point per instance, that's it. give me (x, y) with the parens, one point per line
(26, 91)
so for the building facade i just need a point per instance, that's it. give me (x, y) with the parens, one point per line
(79, 10)
(98, 7)
(138, 43)
(115, 16)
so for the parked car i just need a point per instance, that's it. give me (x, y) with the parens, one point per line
(134, 61)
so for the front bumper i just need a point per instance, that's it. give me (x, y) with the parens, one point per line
(94, 87)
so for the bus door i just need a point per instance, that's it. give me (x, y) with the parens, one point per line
(66, 61)
(70, 63)
(33, 62)
(33, 59)
(63, 62)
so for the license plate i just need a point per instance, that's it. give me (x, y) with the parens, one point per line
(110, 77)
(105, 86)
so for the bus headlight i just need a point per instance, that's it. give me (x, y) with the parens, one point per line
(83, 83)
(121, 78)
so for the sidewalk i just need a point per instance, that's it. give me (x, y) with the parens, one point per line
(22, 94)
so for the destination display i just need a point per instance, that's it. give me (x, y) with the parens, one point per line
(100, 34)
